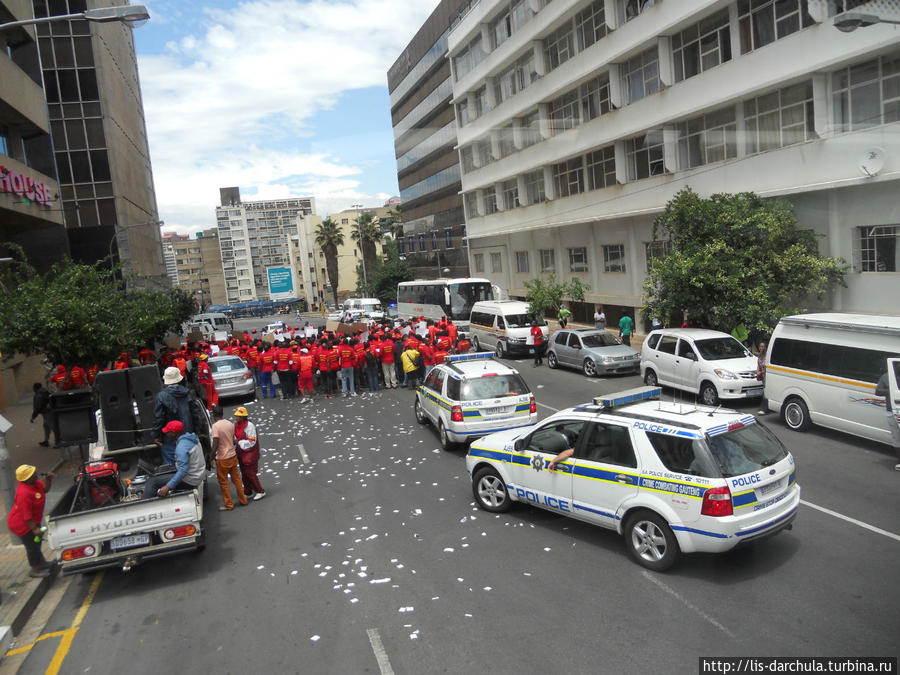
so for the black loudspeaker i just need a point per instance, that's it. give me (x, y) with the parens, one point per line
(73, 417)
(145, 385)
(117, 408)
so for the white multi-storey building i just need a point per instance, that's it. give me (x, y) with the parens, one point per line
(253, 237)
(579, 119)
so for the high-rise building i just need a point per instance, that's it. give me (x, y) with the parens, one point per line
(168, 245)
(434, 236)
(254, 238)
(102, 156)
(212, 276)
(30, 213)
(580, 119)
(310, 286)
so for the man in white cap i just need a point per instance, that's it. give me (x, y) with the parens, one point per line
(173, 403)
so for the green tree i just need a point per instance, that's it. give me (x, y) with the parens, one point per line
(390, 273)
(735, 259)
(83, 314)
(545, 297)
(395, 221)
(328, 237)
(367, 234)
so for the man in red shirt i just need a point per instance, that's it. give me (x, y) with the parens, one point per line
(387, 363)
(24, 518)
(266, 368)
(252, 361)
(58, 379)
(348, 365)
(283, 366)
(77, 378)
(205, 378)
(537, 336)
(147, 357)
(306, 364)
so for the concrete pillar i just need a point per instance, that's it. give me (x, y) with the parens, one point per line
(612, 16)
(666, 62)
(523, 191)
(495, 144)
(741, 125)
(544, 119)
(734, 30)
(491, 92)
(540, 60)
(518, 135)
(486, 38)
(820, 104)
(479, 201)
(670, 148)
(498, 195)
(616, 99)
(621, 162)
(549, 186)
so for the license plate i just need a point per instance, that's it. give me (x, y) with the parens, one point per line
(502, 410)
(769, 489)
(120, 543)
(754, 392)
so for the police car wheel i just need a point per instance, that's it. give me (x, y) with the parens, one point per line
(421, 417)
(651, 542)
(589, 368)
(795, 414)
(490, 491)
(551, 360)
(708, 394)
(650, 378)
(446, 443)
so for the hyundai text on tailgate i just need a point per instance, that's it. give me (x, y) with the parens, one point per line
(672, 478)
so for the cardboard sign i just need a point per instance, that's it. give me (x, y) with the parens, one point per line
(360, 326)
(220, 335)
(174, 343)
(238, 335)
(269, 338)
(332, 326)
(195, 337)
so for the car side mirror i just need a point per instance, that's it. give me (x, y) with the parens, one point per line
(691, 356)
(520, 444)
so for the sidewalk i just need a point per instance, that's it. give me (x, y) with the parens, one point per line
(19, 593)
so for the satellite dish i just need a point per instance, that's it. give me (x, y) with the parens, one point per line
(872, 162)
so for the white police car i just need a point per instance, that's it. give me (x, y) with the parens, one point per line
(470, 395)
(672, 478)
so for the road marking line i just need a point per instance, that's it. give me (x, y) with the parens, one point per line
(866, 526)
(544, 405)
(687, 603)
(69, 634)
(303, 455)
(384, 663)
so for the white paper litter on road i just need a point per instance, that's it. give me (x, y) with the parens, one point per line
(315, 638)
(380, 581)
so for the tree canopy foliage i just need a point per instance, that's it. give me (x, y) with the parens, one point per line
(545, 297)
(735, 259)
(83, 314)
(367, 234)
(389, 273)
(329, 236)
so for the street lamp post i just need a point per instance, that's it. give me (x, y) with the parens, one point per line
(847, 22)
(125, 13)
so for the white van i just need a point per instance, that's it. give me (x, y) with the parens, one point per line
(504, 326)
(218, 320)
(823, 368)
(370, 307)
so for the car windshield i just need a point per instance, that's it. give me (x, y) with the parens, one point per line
(522, 320)
(226, 365)
(493, 386)
(604, 339)
(746, 449)
(715, 349)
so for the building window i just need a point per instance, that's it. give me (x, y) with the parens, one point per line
(522, 262)
(448, 237)
(400, 245)
(878, 248)
(345, 221)
(490, 201)
(654, 250)
(505, 138)
(421, 242)
(631, 9)
(564, 112)
(411, 244)
(764, 21)
(781, 118)
(471, 203)
(501, 29)
(645, 155)
(867, 94)
(534, 187)
(590, 25)
(481, 103)
(614, 258)
(496, 263)
(478, 259)
(578, 259)
(560, 46)
(548, 260)
(434, 240)
(531, 129)
(467, 158)
(703, 46)
(595, 98)
(511, 194)
(462, 113)
(568, 177)
(640, 76)
(601, 168)
(707, 139)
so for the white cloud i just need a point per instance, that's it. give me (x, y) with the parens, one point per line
(231, 103)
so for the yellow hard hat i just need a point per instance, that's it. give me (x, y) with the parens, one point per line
(240, 412)
(25, 472)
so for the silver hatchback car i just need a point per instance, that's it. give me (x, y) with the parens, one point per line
(232, 377)
(595, 352)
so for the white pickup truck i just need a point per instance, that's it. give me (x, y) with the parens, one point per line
(101, 521)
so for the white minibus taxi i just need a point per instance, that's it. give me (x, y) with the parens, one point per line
(822, 369)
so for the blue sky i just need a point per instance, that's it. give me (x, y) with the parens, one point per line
(280, 97)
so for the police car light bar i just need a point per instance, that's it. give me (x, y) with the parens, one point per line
(477, 356)
(627, 396)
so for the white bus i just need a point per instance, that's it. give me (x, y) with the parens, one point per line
(434, 298)
(822, 369)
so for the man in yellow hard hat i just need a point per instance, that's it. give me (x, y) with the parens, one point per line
(24, 518)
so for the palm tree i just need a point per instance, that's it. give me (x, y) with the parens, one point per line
(367, 233)
(394, 221)
(328, 237)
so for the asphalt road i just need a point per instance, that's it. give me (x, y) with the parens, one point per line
(372, 557)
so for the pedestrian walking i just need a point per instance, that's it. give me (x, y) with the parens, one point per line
(563, 316)
(599, 319)
(245, 435)
(410, 359)
(24, 518)
(40, 405)
(205, 380)
(626, 327)
(226, 460)
(537, 336)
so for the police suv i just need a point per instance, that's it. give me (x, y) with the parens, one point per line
(672, 478)
(470, 395)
